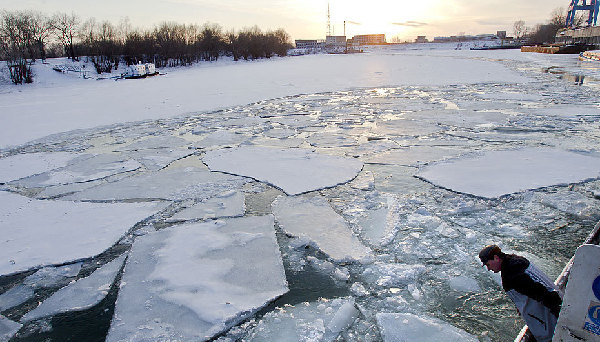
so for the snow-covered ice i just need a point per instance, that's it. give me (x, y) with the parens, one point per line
(321, 321)
(38, 233)
(81, 294)
(24, 165)
(227, 204)
(497, 173)
(8, 328)
(84, 169)
(401, 327)
(313, 218)
(173, 183)
(193, 281)
(294, 171)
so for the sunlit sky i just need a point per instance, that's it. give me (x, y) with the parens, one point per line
(307, 19)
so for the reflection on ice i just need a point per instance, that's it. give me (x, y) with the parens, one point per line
(193, 281)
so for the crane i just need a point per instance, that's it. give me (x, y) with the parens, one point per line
(582, 5)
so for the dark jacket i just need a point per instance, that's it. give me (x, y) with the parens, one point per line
(535, 296)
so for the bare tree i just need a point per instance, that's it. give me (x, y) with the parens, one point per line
(66, 26)
(519, 29)
(14, 44)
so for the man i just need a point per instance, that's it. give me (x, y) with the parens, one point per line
(535, 296)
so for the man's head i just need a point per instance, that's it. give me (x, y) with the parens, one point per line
(491, 257)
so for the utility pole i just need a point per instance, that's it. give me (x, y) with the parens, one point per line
(328, 21)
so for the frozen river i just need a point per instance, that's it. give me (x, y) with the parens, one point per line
(340, 214)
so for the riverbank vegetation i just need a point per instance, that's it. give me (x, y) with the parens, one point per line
(26, 36)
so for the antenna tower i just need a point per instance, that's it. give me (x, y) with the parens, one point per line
(328, 21)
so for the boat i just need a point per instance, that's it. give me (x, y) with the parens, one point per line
(140, 71)
(590, 56)
(561, 282)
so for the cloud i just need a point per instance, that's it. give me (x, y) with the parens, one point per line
(411, 24)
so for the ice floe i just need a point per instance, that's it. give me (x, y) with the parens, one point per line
(294, 171)
(409, 327)
(8, 328)
(497, 173)
(24, 165)
(192, 281)
(315, 220)
(84, 169)
(227, 204)
(321, 321)
(38, 233)
(173, 183)
(81, 294)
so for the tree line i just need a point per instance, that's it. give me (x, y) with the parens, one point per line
(545, 33)
(26, 36)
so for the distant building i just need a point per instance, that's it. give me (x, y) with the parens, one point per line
(369, 39)
(335, 43)
(308, 44)
(421, 39)
(501, 34)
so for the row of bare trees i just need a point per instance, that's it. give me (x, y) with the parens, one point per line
(26, 36)
(544, 33)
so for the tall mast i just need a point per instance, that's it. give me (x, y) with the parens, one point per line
(328, 21)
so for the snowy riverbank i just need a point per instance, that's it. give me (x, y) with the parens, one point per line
(304, 198)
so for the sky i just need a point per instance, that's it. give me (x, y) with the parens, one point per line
(307, 19)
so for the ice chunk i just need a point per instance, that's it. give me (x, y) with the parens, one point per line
(388, 275)
(52, 276)
(381, 225)
(37, 233)
(294, 171)
(81, 294)
(84, 170)
(405, 327)
(173, 183)
(222, 138)
(192, 281)
(322, 321)
(314, 219)
(464, 284)
(155, 142)
(15, 296)
(498, 173)
(8, 329)
(227, 204)
(25, 165)
(157, 159)
(413, 156)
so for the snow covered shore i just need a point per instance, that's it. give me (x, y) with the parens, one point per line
(304, 198)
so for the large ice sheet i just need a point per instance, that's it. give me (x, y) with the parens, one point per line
(84, 170)
(406, 327)
(294, 171)
(37, 233)
(321, 321)
(81, 294)
(498, 173)
(314, 219)
(8, 329)
(25, 165)
(174, 183)
(193, 281)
